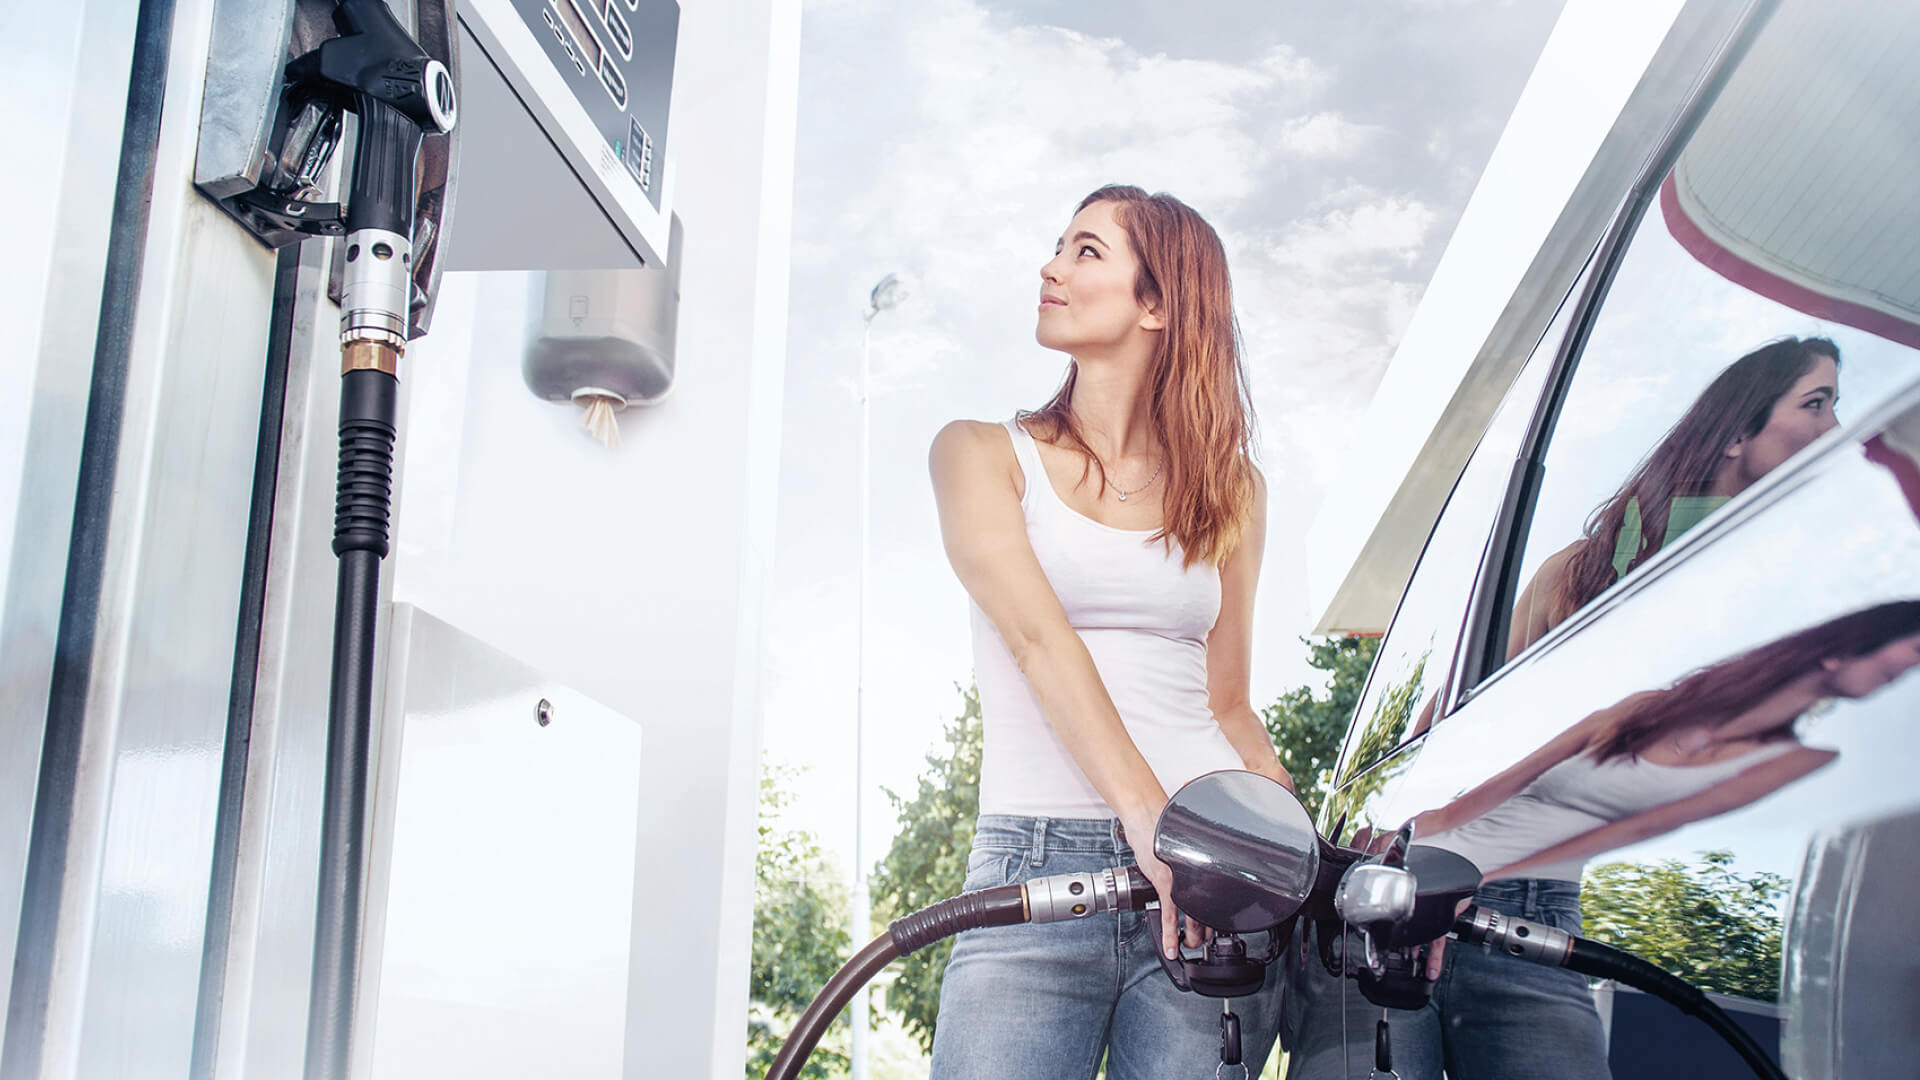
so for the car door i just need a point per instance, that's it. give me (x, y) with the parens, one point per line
(1748, 603)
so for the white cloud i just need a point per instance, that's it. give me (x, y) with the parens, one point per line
(1395, 227)
(1324, 135)
(1294, 70)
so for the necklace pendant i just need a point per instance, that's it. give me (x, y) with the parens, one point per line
(1123, 496)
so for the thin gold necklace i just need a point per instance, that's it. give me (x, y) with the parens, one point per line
(1156, 475)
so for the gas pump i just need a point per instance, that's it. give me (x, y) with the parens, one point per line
(270, 138)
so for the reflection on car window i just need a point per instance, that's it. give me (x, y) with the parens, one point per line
(1411, 667)
(1768, 298)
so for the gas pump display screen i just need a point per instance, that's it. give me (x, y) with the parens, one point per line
(617, 58)
(578, 34)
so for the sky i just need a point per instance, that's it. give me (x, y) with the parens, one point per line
(1332, 144)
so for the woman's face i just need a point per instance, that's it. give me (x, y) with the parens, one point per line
(1799, 416)
(1859, 676)
(1087, 303)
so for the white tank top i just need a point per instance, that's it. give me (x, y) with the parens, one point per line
(1145, 620)
(1581, 794)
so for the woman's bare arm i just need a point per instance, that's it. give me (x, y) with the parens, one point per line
(984, 531)
(1514, 778)
(1230, 648)
(1534, 613)
(1730, 794)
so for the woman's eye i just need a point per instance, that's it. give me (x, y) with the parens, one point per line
(1087, 249)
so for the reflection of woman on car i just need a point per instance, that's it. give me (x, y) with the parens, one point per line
(1713, 742)
(1764, 408)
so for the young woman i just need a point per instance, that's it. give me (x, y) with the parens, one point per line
(1761, 410)
(1717, 740)
(1110, 542)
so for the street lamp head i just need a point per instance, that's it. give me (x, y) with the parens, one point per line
(890, 292)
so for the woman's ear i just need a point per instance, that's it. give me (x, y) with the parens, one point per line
(1831, 664)
(1151, 320)
(1735, 448)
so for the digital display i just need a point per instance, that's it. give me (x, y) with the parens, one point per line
(583, 38)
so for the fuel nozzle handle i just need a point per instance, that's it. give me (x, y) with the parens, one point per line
(399, 95)
(374, 57)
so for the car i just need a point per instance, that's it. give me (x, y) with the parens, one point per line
(1663, 633)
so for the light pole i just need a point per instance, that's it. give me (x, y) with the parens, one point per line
(887, 294)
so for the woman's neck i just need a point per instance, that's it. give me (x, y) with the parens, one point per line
(1113, 408)
(1774, 713)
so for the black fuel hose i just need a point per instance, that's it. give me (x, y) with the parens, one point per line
(1049, 899)
(839, 990)
(1552, 947)
(362, 501)
(1606, 962)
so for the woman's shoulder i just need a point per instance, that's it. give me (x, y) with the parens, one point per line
(970, 437)
(971, 445)
(1556, 564)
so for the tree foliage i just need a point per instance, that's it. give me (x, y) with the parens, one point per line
(1717, 929)
(928, 860)
(800, 913)
(1308, 725)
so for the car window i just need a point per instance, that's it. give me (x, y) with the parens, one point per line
(1768, 296)
(1404, 691)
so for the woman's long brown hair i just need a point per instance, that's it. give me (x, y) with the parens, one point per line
(1735, 405)
(1714, 695)
(1201, 412)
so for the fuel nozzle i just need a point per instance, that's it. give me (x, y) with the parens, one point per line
(1396, 901)
(399, 95)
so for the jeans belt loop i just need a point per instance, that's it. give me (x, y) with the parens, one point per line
(1038, 855)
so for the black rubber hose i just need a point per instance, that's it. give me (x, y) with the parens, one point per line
(1005, 905)
(1607, 962)
(1002, 906)
(363, 495)
(833, 997)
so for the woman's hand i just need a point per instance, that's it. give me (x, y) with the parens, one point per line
(1277, 772)
(1161, 876)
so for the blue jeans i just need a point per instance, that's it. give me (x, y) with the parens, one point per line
(1050, 1000)
(1491, 1016)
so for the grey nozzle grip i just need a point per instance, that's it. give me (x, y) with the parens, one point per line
(1059, 897)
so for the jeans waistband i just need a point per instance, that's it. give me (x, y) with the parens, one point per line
(1527, 893)
(1035, 836)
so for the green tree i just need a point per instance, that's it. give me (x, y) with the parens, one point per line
(928, 860)
(1717, 929)
(1308, 726)
(800, 912)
